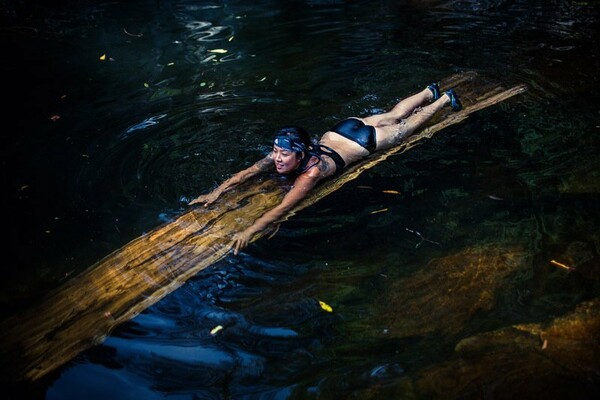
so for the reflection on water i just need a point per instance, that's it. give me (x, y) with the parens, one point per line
(190, 93)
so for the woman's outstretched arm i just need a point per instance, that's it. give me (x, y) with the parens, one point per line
(302, 186)
(233, 181)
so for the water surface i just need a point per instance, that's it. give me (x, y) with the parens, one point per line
(119, 113)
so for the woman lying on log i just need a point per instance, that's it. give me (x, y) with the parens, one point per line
(347, 142)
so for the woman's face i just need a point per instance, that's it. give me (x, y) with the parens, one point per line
(286, 161)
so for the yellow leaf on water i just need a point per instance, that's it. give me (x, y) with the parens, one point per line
(390, 191)
(216, 329)
(103, 57)
(146, 85)
(379, 211)
(219, 51)
(230, 38)
(558, 264)
(325, 306)
(170, 64)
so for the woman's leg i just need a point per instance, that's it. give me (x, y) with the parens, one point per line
(392, 135)
(401, 110)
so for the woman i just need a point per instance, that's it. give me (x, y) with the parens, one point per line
(347, 142)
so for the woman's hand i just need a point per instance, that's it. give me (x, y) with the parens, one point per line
(206, 198)
(234, 181)
(241, 240)
(303, 184)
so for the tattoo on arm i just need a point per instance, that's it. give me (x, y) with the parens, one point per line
(264, 162)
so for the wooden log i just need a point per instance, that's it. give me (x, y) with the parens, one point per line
(82, 312)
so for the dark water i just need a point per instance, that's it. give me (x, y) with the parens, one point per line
(163, 118)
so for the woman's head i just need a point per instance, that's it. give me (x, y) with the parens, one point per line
(290, 146)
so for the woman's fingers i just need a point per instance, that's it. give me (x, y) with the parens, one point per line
(196, 200)
(200, 199)
(239, 242)
(238, 245)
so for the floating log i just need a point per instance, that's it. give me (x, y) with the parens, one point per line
(82, 312)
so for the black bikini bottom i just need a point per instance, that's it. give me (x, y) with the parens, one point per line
(355, 130)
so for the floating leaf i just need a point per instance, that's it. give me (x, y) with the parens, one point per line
(103, 57)
(379, 211)
(146, 85)
(325, 306)
(561, 265)
(216, 329)
(170, 64)
(218, 51)
(390, 191)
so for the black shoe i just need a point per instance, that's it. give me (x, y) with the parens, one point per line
(454, 100)
(435, 89)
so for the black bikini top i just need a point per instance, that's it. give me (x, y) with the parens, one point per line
(337, 159)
